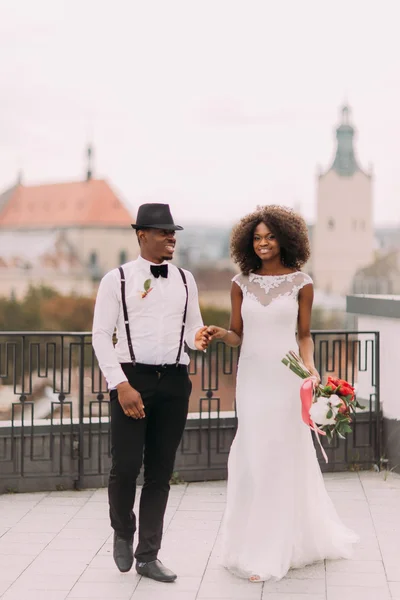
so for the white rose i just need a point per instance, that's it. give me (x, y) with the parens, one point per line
(319, 410)
(335, 400)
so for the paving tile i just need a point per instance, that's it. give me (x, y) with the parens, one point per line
(356, 579)
(194, 525)
(68, 533)
(72, 494)
(85, 524)
(167, 592)
(106, 549)
(358, 593)
(5, 584)
(211, 485)
(392, 570)
(182, 584)
(61, 543)
(62, 511)
(185, 565)
(23, 498)
(198, 515)
(316, 571)
(62, 501)
(20, 548)
(102, 562)
(345, 484)
(13, 562)
(50, 582)
(95, 510)
(19, 594)
(224, 591)
(100, 495)
(368, 552)
(223, 576)
(42, 566)
(275, 596)
(296, 586)
(10, 518)
(355, 566)
(94, 590)
(69, 541)
(187, 504)
(395, 589)
(38, 537)
(386, 493)
(107, 574)
(66, 556)
(343, 496)
(40, 524)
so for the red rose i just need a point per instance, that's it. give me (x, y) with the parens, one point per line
(345, 389)
(333, 383)
(340, 387)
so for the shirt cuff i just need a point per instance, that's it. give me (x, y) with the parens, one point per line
(114, 377)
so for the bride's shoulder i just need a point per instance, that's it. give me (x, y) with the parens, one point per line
(240, 279)
(301, 279)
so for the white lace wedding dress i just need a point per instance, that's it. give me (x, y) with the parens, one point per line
(279, 515)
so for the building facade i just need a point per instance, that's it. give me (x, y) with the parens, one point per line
(343, 236)
(65, 235)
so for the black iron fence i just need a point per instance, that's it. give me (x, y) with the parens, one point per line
(54, 411)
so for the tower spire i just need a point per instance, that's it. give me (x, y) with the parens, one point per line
(345, 162)
(89, 154)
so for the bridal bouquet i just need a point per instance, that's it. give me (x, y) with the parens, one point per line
(328, 406)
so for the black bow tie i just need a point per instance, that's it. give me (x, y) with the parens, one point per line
(159, 270)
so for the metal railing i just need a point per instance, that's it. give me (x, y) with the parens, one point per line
(54, 411)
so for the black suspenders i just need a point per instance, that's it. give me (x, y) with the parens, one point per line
(178, 356)
(126, 320)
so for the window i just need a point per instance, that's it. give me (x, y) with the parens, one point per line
(94, 266)
(123, 257)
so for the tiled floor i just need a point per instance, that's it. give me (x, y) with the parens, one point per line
(58, 545)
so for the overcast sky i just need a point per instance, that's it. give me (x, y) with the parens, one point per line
(214, 106)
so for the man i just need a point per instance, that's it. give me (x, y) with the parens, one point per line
(155, 308)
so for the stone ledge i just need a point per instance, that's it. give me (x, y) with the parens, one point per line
(378, 306)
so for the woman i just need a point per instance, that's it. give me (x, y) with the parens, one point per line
(279, 515)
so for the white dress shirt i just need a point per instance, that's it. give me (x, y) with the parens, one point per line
(155, 321)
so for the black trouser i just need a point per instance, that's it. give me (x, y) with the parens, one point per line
(154, 441)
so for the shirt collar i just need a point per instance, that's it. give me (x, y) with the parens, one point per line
(146, 264)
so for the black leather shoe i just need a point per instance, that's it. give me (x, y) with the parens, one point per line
(155, 570)
(123, 553)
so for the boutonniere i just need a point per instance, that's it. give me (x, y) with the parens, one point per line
(146, 288)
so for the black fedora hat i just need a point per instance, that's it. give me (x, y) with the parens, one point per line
(155, 216)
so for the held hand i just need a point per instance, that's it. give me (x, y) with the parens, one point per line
(130, 401)
(202, 339)
(216, 333)
(314, 373)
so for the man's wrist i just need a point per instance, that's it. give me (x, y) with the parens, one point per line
(122, 385)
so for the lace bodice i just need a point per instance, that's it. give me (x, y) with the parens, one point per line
(267, 288)
(270, 313)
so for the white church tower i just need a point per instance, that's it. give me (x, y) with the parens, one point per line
(343, 238)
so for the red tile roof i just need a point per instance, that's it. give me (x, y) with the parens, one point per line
(83, 203)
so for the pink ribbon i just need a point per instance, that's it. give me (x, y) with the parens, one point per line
(307, 397)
